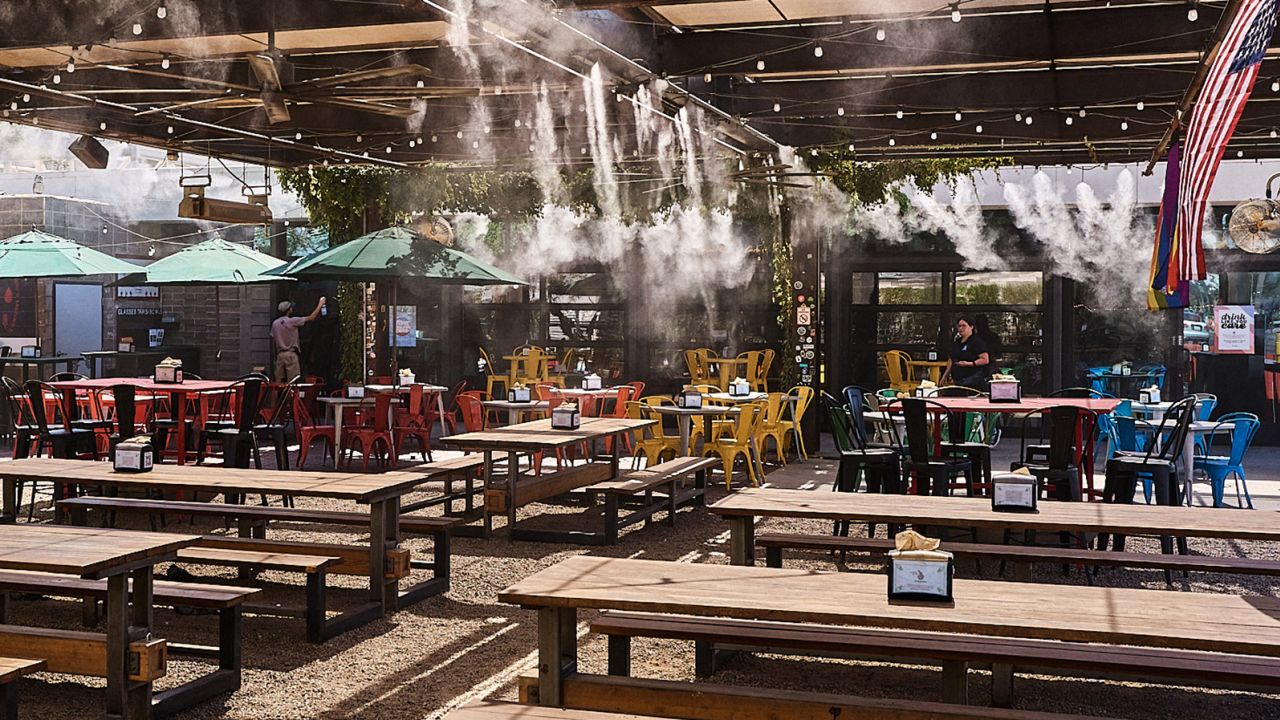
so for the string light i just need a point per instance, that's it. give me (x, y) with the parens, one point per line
(955, 12)
(840, 111)
(297, 135)
(26, 97)
(459, 134)
(850, 147)
(1083, 112)
(1239, 153)
(102, 125)
(892, 142)
(1017, 117)
(760, 64)
(71, 65)
(1141, 105)
(169, 129)
(1275, 85)
(162, 12)
(1192, 13)
(435, 138)
(817, 51)
(1027, 120)
(978, 128)
(1069, 120)
(164, 62)
(880, 34)
(359, 138)
(137, 28)
(959, 116)
(1273, 132)
(900, 114)
(1124, 124)
(777, 107)
(57, 78)
(706, 78)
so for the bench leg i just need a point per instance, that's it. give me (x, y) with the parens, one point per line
(611, 518)
(1002, 685)
(700, 484)
(704, 659)
(11, 700)
(672, 505)
(620, 655)
(773, 557)
(955, 682)
(223, 680)
(557, 652)
(316, 605)
(742, 540)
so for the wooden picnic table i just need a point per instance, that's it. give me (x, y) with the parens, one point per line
(1115, 616)
(125, 558)
(177, 392)
(538, 437)
(380, 491)
(516, 409)
(742, 507)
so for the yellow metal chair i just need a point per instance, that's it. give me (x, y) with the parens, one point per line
(652, 442)
(774, 423)
(741, 444)
(695, 425)
(897, 365)
(492, 378)
(766, 364)
(699, 366)
(751, 362)
(803, 399)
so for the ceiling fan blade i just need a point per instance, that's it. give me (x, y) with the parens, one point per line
(359, 76)
(373, 107)
(264, 66)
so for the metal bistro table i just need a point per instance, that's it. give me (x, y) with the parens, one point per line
(125, 558)
(539, 437)
(336, 408)
(71, 361)
(684, 419)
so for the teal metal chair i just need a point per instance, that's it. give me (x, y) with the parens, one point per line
(1243, 427)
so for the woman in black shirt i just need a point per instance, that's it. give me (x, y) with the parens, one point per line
(970, 362)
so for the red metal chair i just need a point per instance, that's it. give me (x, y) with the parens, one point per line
(373, 430)
(414, 422)
(308, 431)
(471, 406)
(448, 423)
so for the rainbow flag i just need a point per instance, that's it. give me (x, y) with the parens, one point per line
(1167, 291)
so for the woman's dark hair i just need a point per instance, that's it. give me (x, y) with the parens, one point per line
(968, 319)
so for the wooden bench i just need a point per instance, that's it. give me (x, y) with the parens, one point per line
(467, 468)
(314, 567)
(10, 670)
(716, 639)
(623, 697)
(635, 491)
(1024, 556)
(251, 522)
(487, 710)
(85, 653)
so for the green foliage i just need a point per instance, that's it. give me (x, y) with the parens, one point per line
(867, 183)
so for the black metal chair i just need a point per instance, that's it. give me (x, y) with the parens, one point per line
(881, 466)
(855, 397)
(971, 438)
(934, 474)
(240, 402)
(124, 400)
(1160, 461)
(58, 434)
(272, 424)
(21, 427)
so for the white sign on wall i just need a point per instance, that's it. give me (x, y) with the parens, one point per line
(1234, 329)
(137, 291)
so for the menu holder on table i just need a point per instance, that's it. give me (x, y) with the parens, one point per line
(1015, 491)
(919, 571)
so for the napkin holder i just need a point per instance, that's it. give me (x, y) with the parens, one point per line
(519, 394)
(125, 345)
(1005, 390)
(1149, 396)
(739, 388)
(355, 391)
(406, 377)
(926, 389)
(932, 356)
(30, 351)
(1014, 492)
(689, 399)
(591, 382)
(168, 371)
(1126, 369)
(134, 455)
(921, 576)
(566, 417)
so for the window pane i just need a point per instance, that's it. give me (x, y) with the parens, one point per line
(999, 288)
(1010, 328)
(580, 288)
(900, 328)
(909, 288)
(584, 325)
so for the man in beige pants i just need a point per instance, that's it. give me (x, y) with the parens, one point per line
(284, 333)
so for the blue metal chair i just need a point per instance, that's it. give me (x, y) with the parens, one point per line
(1206, 403)
(1243, 427)
(1156, 372)
(1097, 378)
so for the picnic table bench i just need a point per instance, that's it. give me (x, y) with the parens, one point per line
(742, 507)
(532, 438)
(488, 710)
(1023, 556)
(1103, 617)
(126, 654)
(381, 492)
(717, 639)
(635, 491)
(10, 670)
(69, 655)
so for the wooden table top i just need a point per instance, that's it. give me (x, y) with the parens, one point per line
(1137, 519)
(186, 386)
(508, 405)
(87, 552)
(12, 668)
(983, 405)
(1155, 618)
(357, 486)
(539, 435)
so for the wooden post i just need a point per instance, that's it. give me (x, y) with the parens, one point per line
(557, 652)
(742, 540)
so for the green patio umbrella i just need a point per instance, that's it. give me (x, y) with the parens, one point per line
(394, 254)
(39, 254)
(212, 262)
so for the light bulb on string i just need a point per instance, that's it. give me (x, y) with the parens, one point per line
(760, 64)
(164, 62)
(26, 97)
(892, 142)
(458, 134)
(955, 12)
(71, 65)
(1141, 106)
(777, 107)
(169, 129)
(435, 138)
(1017, 117)
(899, 114)
(978, 128)
(1239, 153)
(840, 111)
(850, 147)
(933, 135)
(102, 125)
(880, 34)
(1192, 13)
(388, 149)
(1069, 120)
(959, 116)
(57, 78)
(706, 78)
(1275, 85)
(1083, 112)
(297, 136)
(1027, 120)
(817, 51)
(162, 12)
(359, 138)
(1124, 124)
(137, 28)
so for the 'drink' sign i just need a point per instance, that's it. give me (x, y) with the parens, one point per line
(1234, 325)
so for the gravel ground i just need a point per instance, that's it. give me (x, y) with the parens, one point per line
(448, 650)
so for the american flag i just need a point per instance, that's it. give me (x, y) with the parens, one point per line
(1226, 89)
